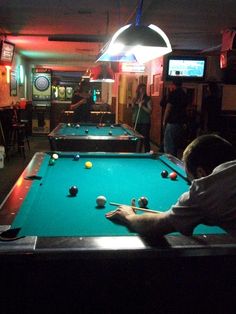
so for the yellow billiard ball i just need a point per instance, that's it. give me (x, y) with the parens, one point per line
(88, 164)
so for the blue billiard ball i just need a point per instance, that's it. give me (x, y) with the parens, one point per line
(77, 157)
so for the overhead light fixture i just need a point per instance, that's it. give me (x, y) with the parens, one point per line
(136, 43)
(102, 73)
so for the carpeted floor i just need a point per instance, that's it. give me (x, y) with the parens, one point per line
(15, 163)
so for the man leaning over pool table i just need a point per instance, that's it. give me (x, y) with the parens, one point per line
(210, 164)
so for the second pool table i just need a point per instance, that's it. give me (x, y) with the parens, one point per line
(91, 137)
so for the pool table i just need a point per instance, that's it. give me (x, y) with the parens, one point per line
(64, 247)
(92, 137)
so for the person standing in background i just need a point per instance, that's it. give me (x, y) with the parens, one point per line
(141, 117)
(211, 109)
(82, 103)
(175, 118)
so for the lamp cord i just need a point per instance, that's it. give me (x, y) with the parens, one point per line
(139, 13)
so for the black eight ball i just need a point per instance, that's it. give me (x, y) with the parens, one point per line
(164, 174)
(73, 190)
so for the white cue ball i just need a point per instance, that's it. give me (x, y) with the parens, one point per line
(101, 201)
(55, 156)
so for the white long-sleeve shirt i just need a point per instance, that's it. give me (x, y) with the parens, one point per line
(211, 200)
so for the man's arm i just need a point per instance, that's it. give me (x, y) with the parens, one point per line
(78, 103)
(149, 224)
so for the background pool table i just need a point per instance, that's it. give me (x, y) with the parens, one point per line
(91, 137)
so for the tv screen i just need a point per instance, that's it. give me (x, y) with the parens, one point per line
(7, 53)
(188, 68)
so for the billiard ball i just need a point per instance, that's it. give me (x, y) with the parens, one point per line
(125, 133)
(88, 164)
(143, 201)
(164, 174)
(110, 133)
(77, 157)
(68, 124)
(51, 161)
(173, 175)
(101, 201)
(73, 190)
(112, 126)
(77, 126)
(86, 131)
(55, 156)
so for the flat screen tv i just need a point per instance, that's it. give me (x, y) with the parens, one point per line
(187, 67)
(6, 52)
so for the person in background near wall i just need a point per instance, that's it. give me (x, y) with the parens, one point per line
(174, 121)
(211, 109)
(142, 109)
(82, 103)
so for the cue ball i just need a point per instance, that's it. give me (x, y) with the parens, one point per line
(112, 126)
(101, 201)
(55, 156)
(86, 131)
(77, 126)
(68, 124)
(143, 201)
(73, 190)
(110, 132)
(88, 165)
(164, 174)
(173, 175)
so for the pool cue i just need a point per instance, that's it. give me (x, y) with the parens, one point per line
(137, 208)
(136, 120)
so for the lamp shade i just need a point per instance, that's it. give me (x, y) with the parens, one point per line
(136, 43)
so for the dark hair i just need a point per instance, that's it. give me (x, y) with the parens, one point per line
(208, 152)
(84, 85)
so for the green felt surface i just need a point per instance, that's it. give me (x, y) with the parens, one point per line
(93, 130)
(48, 210)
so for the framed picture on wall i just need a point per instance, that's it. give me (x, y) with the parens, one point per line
(156, 84)
(13, 84)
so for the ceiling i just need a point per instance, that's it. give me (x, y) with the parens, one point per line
(194, 25)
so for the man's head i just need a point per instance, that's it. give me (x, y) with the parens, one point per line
(205, 153)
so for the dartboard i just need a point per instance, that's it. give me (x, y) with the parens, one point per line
(41, 83)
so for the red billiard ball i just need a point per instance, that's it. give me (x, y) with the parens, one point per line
(73, 190)
(173, 175)
(164, 174)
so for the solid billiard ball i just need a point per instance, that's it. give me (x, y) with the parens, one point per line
(143, 201)
(164, 174)
(77, 157)
(110, 132)
(73, 190)
(173, 175)
(101, 201)
(51, 161)
(55, 156)
(86, 131)
(88, 165)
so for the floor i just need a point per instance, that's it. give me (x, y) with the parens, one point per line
(15, 163)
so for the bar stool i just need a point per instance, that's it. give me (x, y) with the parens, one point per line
(19, 137)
